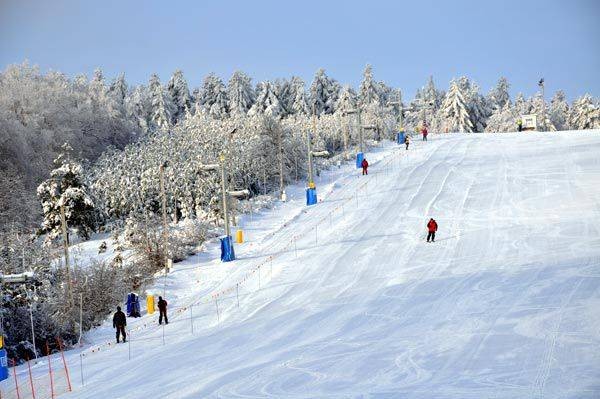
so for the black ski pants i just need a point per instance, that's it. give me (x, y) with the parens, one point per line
(163, 313)
(431, 236)
(121, 331)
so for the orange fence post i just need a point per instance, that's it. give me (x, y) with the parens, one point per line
(30, 377)
(50, 370)
(15, 375)
(62, 354)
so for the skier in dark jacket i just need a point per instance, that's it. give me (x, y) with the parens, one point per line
(406, 141)
(432, 228)
(119, 322)
(365, 165)
(162, 308)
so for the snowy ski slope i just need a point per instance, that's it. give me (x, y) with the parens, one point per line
(505, 303)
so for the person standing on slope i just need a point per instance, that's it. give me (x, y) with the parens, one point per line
(162, 308)
(519, 125)
(406, 141)
(432, 228)
(364, 165)
(119, 322)
(424, 131)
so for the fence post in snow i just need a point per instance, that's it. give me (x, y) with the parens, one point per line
(237, 293)
(50, 370)
(217, 306)
(30, 377)
(81, 368)
(14, 362)
(192, 318)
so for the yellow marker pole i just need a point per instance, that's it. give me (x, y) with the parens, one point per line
(150, 304)
(239, 236)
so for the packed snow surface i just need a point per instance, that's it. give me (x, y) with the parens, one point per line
(505, 303)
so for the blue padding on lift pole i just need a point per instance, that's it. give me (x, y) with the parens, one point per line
(311, 196)
(227, 252)
(359, 158)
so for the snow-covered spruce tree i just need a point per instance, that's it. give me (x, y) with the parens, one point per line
(324, 93)
(522, 106)
(559, 111)
(240, 92)
(476, 103)
(298, 104)
(213, 97)
(498, 96)
(160, 103)
(180, 95)
(369, 92)
(66, 188)
(117, 93)
(97, 89)
(347, 100)
(540, 109)
(503, 120)
(584, 114)
(455, 111)
(266, 102)
(138, 107)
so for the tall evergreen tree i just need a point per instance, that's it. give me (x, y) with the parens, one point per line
(160, 103)
(266, 102)
(559, 111)
(369, 92)
(498, 96)
(324, 93)
(179, 93)
(66, 188)
(347, 100)
(213, 97)
(455, 111)
(240, 92)
(298, 102)
(117, 93)
(584, 114)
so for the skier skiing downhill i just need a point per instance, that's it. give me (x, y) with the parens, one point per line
(406, 141)
(432, 227)
(364, 165)
(424, 131)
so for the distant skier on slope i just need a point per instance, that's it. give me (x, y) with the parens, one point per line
(119, 322)
(519, 125)
(365, 166)
(406, 141)
(432, 227)
(162, 308)
(424, 131)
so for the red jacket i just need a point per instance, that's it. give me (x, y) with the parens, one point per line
(365, 164)
(432, 226)
(424, 131)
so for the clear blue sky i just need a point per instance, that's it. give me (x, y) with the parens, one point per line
(404, 41)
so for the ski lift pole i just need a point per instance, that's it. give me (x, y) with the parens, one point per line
(224, 190)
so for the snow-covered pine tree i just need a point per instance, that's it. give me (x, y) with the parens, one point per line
(97, 90)
(138, 107)
(369, 91)
(347, 100)
(266, 102)
(180, 95)
(522, 107)
(503, 120)
(476, 103)
(117, 93)
(213, 97)
(498, 96)
(559, 111)
(455, 111)
(160, 103)
(324, 93)
(584, 114)
(298, 104)
(66, 187)
(540, 109)
(240, 92)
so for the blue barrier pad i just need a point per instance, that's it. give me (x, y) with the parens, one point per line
(227, 252)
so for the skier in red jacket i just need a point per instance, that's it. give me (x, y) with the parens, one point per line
(365, 165)
(432, 228)
(424, 131)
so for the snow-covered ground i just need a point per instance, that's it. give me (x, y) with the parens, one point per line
(350, 301)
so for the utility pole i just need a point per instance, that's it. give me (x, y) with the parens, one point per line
(541, 84)
(311, 183)
(63, 222)
(165, 225)
(280, 156)
(224, 190)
